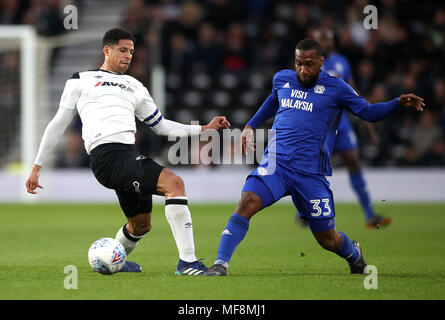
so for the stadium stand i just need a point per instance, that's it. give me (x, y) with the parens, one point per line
(220, 56)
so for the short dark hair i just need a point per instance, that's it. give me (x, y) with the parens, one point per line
(113, 36)
(309, 44)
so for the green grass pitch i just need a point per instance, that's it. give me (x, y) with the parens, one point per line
(278, 260)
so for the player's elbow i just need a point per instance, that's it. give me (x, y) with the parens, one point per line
(160, 129)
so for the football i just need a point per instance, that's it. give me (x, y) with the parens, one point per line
(107, 256)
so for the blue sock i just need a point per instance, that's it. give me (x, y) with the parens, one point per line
(359, 185)
(232, 235)
(347, 249)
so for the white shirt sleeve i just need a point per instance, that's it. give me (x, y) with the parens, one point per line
(71, 94)
(150, 114)
(171, 128)
(53, 134)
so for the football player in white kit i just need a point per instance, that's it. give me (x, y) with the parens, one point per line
(107, 101)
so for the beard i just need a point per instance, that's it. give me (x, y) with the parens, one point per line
(309, 83)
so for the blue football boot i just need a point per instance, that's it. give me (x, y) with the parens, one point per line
(131, 267)
(190, 268)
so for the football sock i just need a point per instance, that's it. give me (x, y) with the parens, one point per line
(128, 240)
(359, 185)
(232, 235)
(180, 220)
(347, 250)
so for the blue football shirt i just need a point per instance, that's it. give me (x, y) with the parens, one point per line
(306, 119)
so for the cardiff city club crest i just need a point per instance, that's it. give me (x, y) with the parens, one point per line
(319, 89)
(262, 171)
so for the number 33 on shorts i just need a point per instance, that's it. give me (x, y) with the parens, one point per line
(320, 207)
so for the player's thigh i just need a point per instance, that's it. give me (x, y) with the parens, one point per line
(137, 207)
(259, 191)
(314, 200)
(123, 168)
(138, 174)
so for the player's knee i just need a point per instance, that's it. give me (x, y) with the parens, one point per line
(172, 185)
(177, 184)
(249, 204)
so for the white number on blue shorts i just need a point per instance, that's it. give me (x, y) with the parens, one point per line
(319, 211)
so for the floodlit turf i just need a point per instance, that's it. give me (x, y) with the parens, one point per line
(277, 260)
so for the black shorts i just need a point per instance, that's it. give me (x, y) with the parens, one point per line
(133, 176)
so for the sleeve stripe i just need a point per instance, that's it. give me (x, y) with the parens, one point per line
(152, 116)
(156, 122)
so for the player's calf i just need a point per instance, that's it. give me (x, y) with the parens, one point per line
(127, 239)
(140, 224)
(329, 240)
(340, 244)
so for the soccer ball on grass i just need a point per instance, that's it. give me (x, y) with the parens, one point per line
(107, 256)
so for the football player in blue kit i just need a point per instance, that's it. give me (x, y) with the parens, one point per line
(346, 142)
(307, 104)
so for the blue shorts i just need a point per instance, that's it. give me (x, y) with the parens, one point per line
(346, 138)
(310, 193)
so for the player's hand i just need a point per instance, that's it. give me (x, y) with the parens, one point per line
(247, 140)
(33, 181)
(411, 100)
(217, 122)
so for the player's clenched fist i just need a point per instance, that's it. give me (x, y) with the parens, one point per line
(218, 122)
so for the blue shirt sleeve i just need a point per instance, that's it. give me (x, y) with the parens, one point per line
(267, 110)
(350, 100)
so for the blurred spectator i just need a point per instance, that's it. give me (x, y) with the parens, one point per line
(134, 19)
(176, 57)
(46, 16)
(223, 12)
(426, 134)
(206, 56)
(235, 56)
(10, 11)
(365, 78)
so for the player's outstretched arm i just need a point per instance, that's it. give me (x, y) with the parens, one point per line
(51, 138)
(348, 98)
(165, 127)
